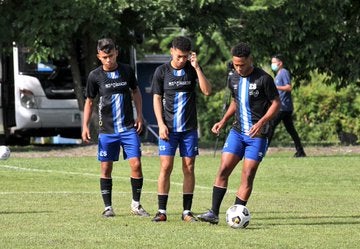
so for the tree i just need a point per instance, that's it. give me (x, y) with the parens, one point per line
(320, 35)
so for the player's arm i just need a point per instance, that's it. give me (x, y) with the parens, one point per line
(204, 84)
(88, 107)
(163, 130)
(270, 114)
(137, 98)
(228, 114)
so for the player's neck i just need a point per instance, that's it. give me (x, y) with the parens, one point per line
(110, 68)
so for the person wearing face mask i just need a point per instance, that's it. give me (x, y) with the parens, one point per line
(255, 101)
(283, 84)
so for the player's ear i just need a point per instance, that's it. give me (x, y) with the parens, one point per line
(171, 51)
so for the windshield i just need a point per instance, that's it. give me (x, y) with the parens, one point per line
(55, 75)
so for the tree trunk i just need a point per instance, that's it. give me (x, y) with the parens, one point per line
(79, 89)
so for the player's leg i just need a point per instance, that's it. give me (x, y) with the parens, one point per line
(188, 165)
(166, 167)
(106, 188)
(167, 151)
(254, 153)
(289, 125)
(132, 152)
(188, 145)
(247, 179)
(108, 151)
(233, 152)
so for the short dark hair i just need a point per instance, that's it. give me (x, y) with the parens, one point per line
(280, 57)
(241, 50)
(105, 45)
(181, 42)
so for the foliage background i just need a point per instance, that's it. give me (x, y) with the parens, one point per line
(319, 40)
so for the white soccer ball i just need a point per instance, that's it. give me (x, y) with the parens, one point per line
(238, 216)
(4, 152)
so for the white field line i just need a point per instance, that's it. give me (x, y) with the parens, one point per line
(15, 168)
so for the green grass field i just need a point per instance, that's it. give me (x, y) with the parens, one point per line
(55, 202)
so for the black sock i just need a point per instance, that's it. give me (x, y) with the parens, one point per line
(187, 201)
(240, 202)
(162, 201)
(217, 197)
(106, 189)
(136, 186)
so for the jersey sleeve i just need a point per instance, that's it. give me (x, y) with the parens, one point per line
(270, 88)
(92, 88)
(132, 78)
(157, 86)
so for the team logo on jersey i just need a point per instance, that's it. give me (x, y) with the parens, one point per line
(252, 86)
(116, 84)
(180, 72)
(180, 83)
(254, 93)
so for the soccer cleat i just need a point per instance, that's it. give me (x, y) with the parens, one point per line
(300, 154)
(188, 217)
(139, 211)
(159, 217)
(108, 212)
(209, 216)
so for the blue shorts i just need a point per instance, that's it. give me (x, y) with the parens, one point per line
(187, 142)
(109, 145)
(241, 144)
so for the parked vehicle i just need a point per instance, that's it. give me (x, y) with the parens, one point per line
(36, 99)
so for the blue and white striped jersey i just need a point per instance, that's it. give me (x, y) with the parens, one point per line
(253, 95)
(115, 102)
(177, 87)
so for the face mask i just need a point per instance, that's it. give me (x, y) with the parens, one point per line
(274, 67)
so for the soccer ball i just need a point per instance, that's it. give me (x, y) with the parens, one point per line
(238, 216)
(4, 152)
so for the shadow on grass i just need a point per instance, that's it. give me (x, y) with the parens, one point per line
(311, 220)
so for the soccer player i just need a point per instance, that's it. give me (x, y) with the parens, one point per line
(255, 101)
(283, 84)
(174, 97)
(117, 87)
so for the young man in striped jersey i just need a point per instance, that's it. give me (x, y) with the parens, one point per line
(255, 101)
(174, 97)
(117, 87)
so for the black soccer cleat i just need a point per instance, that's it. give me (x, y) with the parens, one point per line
(209, 216)
(300, 154)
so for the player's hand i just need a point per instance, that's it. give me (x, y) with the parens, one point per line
(163, 132)
(255, 129)
(138, 125)
(216, 128)
(193, 60)
(85, 135)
